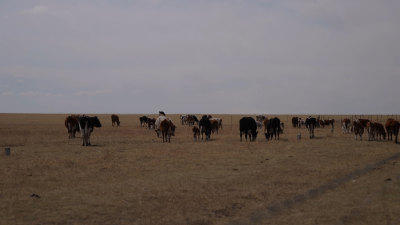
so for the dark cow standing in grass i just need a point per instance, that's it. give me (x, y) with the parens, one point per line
(167, 129)
(392, 128)
(248, 126)
(205, 127)
(115, 120)
(196, 121)
(272, 127)
(71, 123)
(380, 131)
(143, 120)
(311, 123)
(358, 129)
(151, 123)
(295, 121)
(86, 126)
(363, 123)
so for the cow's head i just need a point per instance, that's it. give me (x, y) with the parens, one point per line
(96, 121)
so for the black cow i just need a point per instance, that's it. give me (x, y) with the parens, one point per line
(311, 123)
(151, 123)
(115, 120)
(248, 126)
(205, 127)
(195, 119)
(272, 128)
(86, 126)
(143, 120)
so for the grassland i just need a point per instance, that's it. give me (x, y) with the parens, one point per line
(129, 177)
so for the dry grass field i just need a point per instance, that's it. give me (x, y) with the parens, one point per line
(129, 176)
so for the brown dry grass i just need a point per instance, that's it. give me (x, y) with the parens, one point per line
(130, 177)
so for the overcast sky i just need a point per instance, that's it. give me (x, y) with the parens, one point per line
(209, 56)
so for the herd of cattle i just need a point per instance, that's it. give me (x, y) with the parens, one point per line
(248, 126)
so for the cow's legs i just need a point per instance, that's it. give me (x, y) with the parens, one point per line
(311, 128)
(69, 130)
(85, 134)
(85, 138)
(73, 131)
(89, 133)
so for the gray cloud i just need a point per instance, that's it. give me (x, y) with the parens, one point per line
(209, 56)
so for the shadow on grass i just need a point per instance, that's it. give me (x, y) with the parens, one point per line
(94, 146)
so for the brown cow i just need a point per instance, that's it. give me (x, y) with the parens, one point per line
(214, 125)
(392, 128)
(115, 120)
(196, 133)
(358, 129)
(167, 129)
(71, 123)
(346, 124)
(324, 123)
(363, 122)
(380, 131)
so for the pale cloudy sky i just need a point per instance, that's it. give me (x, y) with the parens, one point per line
(209, 56)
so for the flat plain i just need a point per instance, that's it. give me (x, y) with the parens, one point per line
(128, 176)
